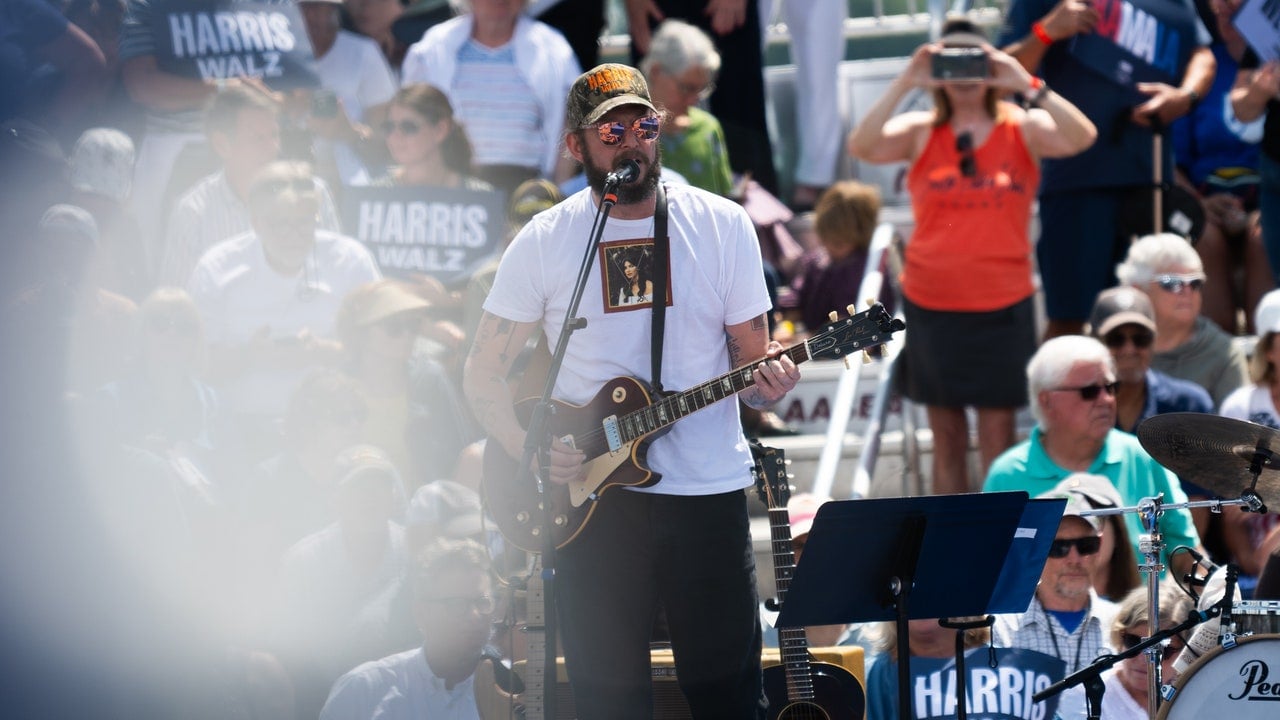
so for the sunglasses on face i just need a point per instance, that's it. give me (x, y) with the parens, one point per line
(406, 127)
(1085, 546)
(399, 326)
(1141, 339)
(1091, 392)
(964, 146)
(1176, 283)
(1167, 650)
(645, 128)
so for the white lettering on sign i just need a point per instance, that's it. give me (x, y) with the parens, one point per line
(222, 33)
(422, 223)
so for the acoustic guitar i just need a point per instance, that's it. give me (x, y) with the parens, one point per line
(798, 688)
(615, 428)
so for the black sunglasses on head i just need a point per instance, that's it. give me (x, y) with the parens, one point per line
(1085, 545)
(964, 146)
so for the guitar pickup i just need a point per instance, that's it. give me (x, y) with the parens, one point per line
(612, 433)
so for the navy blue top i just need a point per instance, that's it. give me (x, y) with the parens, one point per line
(1170, 31)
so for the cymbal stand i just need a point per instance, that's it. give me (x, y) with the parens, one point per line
(1151, 544)
(1262, 456)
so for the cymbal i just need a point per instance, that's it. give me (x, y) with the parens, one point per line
(1215, 452)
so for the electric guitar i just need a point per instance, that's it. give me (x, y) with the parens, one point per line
(525, 700)
(614, 431)
(797, 688)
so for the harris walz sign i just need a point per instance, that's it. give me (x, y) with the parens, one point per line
(223, 39)
(441, 232)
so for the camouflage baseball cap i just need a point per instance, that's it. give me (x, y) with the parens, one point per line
(602, 89)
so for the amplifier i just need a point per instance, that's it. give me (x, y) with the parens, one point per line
(669, 702)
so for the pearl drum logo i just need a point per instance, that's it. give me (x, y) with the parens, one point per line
(1255, 685)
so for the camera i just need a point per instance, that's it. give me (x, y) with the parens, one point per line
(324, 104)
(961, 64)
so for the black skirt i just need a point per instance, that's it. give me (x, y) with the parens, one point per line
(958, 359)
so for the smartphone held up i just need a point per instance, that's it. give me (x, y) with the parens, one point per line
(958, 64)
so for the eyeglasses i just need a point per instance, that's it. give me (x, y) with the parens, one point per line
(1091, 392)
(482, 604)
(1175, 283)
(1168, 648)
(964, 146)
(1086, 546)
(406, 127)
(1141, 339)
(645, 128)
(702, 91)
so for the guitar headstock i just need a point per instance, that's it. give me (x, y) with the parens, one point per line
(773, 484)
(862, 331)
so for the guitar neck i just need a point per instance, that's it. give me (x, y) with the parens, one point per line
(793, 644)
(667, 410)
(536, 644)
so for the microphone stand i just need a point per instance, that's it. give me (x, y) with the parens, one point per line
(1091, 676)
(537, 440)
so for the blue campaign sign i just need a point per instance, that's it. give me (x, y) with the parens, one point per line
(442, 232)
(223, 39)
(1002, 692)
(1139, 41)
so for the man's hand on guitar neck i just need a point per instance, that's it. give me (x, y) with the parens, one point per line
(566, 463)
(774, 378)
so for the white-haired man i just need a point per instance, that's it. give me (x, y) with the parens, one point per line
(1071, 381)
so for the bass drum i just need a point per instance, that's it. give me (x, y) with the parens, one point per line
(1242, 683)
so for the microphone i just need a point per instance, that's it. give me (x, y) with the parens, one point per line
(1201, 562)
(627, 172)
(1224, 620)
(1205, 638)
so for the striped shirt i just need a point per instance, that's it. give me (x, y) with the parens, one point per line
(208, 214)
(497, 107)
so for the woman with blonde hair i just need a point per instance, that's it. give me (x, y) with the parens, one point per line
(967, 278)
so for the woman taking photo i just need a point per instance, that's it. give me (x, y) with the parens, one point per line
(426, 143)
(967, 277)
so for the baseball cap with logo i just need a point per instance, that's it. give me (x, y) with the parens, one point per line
(1121, 306)
(602, 89)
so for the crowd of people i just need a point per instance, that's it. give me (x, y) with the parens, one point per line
(227, 368)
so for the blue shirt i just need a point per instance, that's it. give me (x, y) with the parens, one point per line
(1122, 154)
(1134, 473)
(1166, 394)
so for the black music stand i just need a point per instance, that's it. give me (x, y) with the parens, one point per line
(915, 558)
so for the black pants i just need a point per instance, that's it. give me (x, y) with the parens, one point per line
(739, 101)
(693, 556)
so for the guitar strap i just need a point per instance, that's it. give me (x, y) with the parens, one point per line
(661, 252)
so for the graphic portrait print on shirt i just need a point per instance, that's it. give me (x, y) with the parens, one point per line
(627, 272)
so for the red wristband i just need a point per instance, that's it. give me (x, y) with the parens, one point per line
(1035, 83)
(1037, 29)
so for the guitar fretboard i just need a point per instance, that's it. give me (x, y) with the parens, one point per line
(664, 412)
(793, 644)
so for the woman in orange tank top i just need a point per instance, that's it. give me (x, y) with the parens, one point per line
(967, 276)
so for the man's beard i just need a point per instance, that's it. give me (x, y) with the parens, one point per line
(641, 189)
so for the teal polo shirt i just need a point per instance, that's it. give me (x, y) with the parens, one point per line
(1130, 469)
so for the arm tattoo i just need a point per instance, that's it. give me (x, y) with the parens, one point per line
(758, 323)
(735, 351)
(753, 399)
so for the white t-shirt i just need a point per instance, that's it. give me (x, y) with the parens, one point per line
(237, 293)
(1252, 403)
(399, 687)
(716, 281)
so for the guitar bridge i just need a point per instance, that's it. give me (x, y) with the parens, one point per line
(612, 433)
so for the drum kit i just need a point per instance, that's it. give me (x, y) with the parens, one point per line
(1231, 459)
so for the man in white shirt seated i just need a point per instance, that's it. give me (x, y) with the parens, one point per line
(269, 297)
(453, 605)
(243, 129)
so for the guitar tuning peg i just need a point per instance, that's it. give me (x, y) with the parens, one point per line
(833, 315)
(846, 362)
(871, 302)
(851, 309)
(866, 357)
